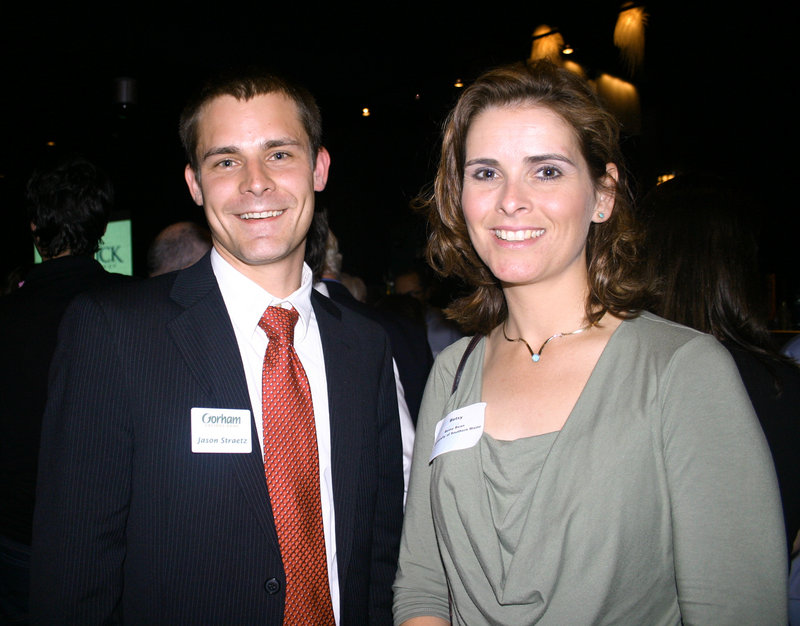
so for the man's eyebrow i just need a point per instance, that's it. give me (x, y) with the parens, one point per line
(265, 146)
(220, 150)
(280, 142)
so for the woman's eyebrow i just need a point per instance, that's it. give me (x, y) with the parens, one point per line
(539, 158)
(555, 156)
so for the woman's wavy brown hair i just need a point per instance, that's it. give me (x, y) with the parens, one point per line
(615, 282)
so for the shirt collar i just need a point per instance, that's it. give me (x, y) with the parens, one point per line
(246, 301)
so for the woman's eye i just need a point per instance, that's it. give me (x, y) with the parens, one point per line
(485, 174)
(549, 172)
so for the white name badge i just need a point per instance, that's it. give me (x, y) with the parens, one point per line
(221, 431)
(459, 429)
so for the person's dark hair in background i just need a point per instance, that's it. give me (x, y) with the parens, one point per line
(69, 206)
(702, 261)
(315, 243)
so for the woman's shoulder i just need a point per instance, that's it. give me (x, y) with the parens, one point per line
(667, 344)
(460, 357)
(453, 353)
(665, 334)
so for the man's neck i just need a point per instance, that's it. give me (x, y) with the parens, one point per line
(280, 279)
(58, 256)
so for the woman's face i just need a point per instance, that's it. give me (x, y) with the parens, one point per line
(528, 197)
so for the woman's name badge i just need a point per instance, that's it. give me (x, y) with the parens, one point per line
(459, 429)
(221, 431)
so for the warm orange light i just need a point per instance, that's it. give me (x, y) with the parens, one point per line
(365, 112)
(622, 99)
(665, 177)
(575, 68)
(458, 83)
(629, 34)
(547, 44)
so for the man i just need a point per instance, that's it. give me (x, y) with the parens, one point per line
(68, 204)
(176, 247)
(403, 338)
(441, 331)
(410, 348)
(157, 502)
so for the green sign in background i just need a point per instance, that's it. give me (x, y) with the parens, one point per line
(116, 248)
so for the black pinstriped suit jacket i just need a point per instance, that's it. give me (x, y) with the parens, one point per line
(130, 525)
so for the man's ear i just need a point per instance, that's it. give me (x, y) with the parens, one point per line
(321, 168)
(35, 236)
(193, 182)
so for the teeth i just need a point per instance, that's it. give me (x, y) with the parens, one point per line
(260, 215)
(518, 235)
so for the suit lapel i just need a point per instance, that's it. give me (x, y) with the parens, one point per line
(206, 340)
(341, 370)
(204, 335)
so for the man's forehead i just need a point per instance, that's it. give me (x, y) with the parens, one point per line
(231, 114)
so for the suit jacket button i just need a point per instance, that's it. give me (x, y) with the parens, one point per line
(272, 586)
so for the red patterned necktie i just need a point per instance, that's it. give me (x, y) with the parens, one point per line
(291, 465)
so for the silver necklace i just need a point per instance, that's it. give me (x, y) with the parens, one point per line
(535, 356)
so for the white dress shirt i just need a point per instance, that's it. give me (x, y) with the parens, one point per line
(246, 302)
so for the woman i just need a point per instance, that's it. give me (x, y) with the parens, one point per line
(594, 463)
(702, 257)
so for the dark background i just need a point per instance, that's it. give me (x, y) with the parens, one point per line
(716, 90)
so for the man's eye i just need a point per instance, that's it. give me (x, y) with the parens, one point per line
(280, 156)
(225, 163)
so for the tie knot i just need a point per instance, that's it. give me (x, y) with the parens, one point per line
(279, 323)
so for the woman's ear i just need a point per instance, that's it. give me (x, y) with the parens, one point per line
(606, 194)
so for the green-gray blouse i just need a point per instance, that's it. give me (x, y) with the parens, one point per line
(656, 503)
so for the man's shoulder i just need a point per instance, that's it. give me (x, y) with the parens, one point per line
(368, 317)
(349, 327)
(44, 297)
(136, 292)
(136, 299)
(347, 315)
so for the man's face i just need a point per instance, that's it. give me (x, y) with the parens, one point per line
(409, 285)
(256, 180)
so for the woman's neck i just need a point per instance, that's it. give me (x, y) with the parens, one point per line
(536, 311)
